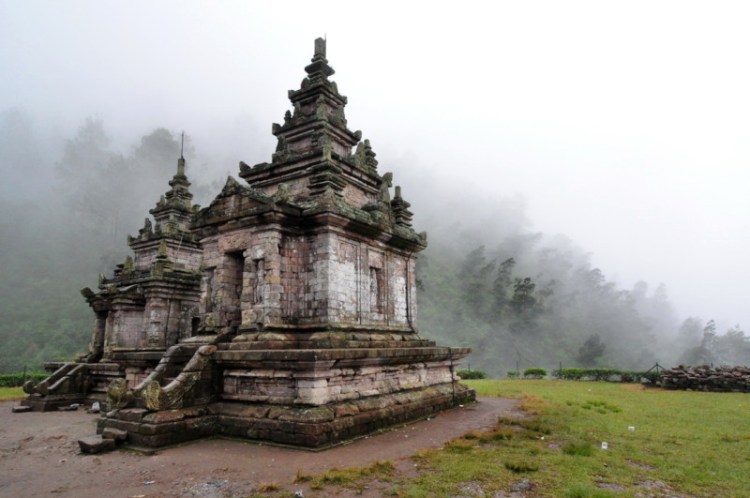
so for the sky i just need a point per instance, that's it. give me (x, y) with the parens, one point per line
(623, 125)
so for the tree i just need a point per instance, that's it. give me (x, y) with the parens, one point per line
(475, 279)
(97, 182)
(22, 157)
(524, 305)
(501, 288)
(732, 348)
(690, 332)
(704, 353)
(592, 349)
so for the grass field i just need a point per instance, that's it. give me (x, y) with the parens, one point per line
(658, 441)
(8, 393)
(659, 444)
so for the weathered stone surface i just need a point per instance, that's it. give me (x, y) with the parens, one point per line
(116, 434)
(165, 416)
(345, 410)
(131, 414)
(21, 409)
(96, 444)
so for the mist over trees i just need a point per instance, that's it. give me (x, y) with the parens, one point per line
(519, 298)
(67, 207)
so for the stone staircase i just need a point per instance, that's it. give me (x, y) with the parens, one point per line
(71, 383)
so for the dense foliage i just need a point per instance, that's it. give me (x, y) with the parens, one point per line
(535, 373)
(471, 374)
(56, 239)
(531, 302)
(17, 379)
(606, 374)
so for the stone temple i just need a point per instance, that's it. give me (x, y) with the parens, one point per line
(285, 311)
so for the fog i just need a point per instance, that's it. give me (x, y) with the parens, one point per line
(624, 127)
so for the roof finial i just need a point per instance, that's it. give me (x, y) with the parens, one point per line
(319, 69)
(320, 47)
(181, 160)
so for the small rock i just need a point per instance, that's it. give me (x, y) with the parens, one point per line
(522, 486)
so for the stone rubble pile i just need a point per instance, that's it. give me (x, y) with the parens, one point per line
(706, 378)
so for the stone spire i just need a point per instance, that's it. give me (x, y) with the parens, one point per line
(319, 69)
(179, 196)
(319, 163)
(169, 239)
(174, 210)
(314, 135)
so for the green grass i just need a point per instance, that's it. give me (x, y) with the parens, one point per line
(353, 478)
(695, 443)
(683, 443)
(9, 393)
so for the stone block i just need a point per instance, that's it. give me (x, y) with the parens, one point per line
(96, 444)
(21, 409)
(164, 417)
(345, 410)
(116, 434)
(308, 415)
(131, 414)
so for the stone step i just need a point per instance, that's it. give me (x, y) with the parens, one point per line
(21, 409)
(96, 444)
(116, 434)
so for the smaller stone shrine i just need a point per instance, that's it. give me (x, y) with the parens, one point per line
(285, 311)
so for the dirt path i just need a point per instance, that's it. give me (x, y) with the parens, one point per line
(39, 456)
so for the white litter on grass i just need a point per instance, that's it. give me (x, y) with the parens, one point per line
(604, 445)
(631, 428)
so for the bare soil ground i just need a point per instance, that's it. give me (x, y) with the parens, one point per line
(39, 456)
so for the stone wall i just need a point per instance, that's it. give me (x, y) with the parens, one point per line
(322, 279)
(124, 328)
(287, 386)
(181, 255)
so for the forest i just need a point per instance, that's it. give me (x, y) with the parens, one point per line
(519, 298)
